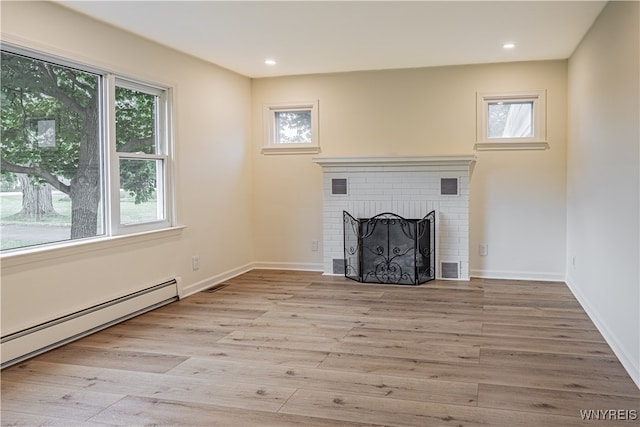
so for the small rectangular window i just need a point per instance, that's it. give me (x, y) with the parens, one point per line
(291, 128)
(508, 121)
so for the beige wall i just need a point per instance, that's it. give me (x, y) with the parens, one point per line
(242, 208)
(517, 198)
(213, 179)
(604, 179)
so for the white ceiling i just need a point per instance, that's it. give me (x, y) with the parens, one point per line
(307, 37)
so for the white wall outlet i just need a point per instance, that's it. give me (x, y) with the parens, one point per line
(195, 263)
(483, 249)
(314, 245)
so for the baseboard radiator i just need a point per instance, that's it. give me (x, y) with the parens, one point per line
(21, 345)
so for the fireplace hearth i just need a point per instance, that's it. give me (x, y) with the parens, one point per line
(390, 249)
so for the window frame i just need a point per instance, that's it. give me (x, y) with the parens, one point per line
(109, 158)
(162, 145)
(538, 141)
(270, 146)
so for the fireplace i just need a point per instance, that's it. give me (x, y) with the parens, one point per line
(407, 186)
(388, 248)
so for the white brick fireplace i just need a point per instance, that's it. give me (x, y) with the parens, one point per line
(407, 186)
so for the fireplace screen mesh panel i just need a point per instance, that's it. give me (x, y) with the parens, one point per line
(388, 248)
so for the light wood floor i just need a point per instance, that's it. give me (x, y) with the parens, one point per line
(278, 348)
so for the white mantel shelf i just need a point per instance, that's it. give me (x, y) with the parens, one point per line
(418, 162)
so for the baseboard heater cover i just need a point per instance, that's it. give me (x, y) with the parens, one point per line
(38, 339)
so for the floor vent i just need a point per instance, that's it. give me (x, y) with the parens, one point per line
(449, 270)
(216, 288)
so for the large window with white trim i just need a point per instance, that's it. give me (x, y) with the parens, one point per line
(85, 154)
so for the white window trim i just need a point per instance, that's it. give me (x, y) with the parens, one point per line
(68, 248)
(539, 139)
(269, 112)
(164, 144)
(112, 236)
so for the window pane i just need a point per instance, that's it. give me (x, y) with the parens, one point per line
(510, 119)
(140, 195)
(51, 180)
(293, 127)
(136, 118)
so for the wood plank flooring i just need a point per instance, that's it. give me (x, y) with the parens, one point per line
(282, 348)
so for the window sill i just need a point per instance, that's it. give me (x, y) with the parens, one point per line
(511, 145)
(290, 149)
(39, 254)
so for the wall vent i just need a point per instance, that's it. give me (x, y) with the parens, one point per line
(338, 266)
(449, 186)
(449, 270)
(339, 186)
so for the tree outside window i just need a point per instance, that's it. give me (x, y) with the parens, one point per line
(511, 121)
(291, 128)
(53, 152)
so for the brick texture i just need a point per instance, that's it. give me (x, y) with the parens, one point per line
(409, 193)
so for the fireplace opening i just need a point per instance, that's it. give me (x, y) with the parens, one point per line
(388, 248)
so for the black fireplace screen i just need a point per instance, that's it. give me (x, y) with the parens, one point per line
(390, 249)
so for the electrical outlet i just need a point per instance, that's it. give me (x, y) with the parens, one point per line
(483, 249)
(195, 263)
(314, 245)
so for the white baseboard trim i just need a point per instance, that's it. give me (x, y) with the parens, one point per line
(517, 275)
(185, 291)
(298, 266)
(631, 365)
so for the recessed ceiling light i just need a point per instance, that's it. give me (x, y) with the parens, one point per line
(509, 45)
(270, 61)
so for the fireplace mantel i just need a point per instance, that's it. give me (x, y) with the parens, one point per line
(451, 162)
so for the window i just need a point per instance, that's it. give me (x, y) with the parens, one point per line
(510, 121)
(141, 153)
(85, 154)
(291, 128)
